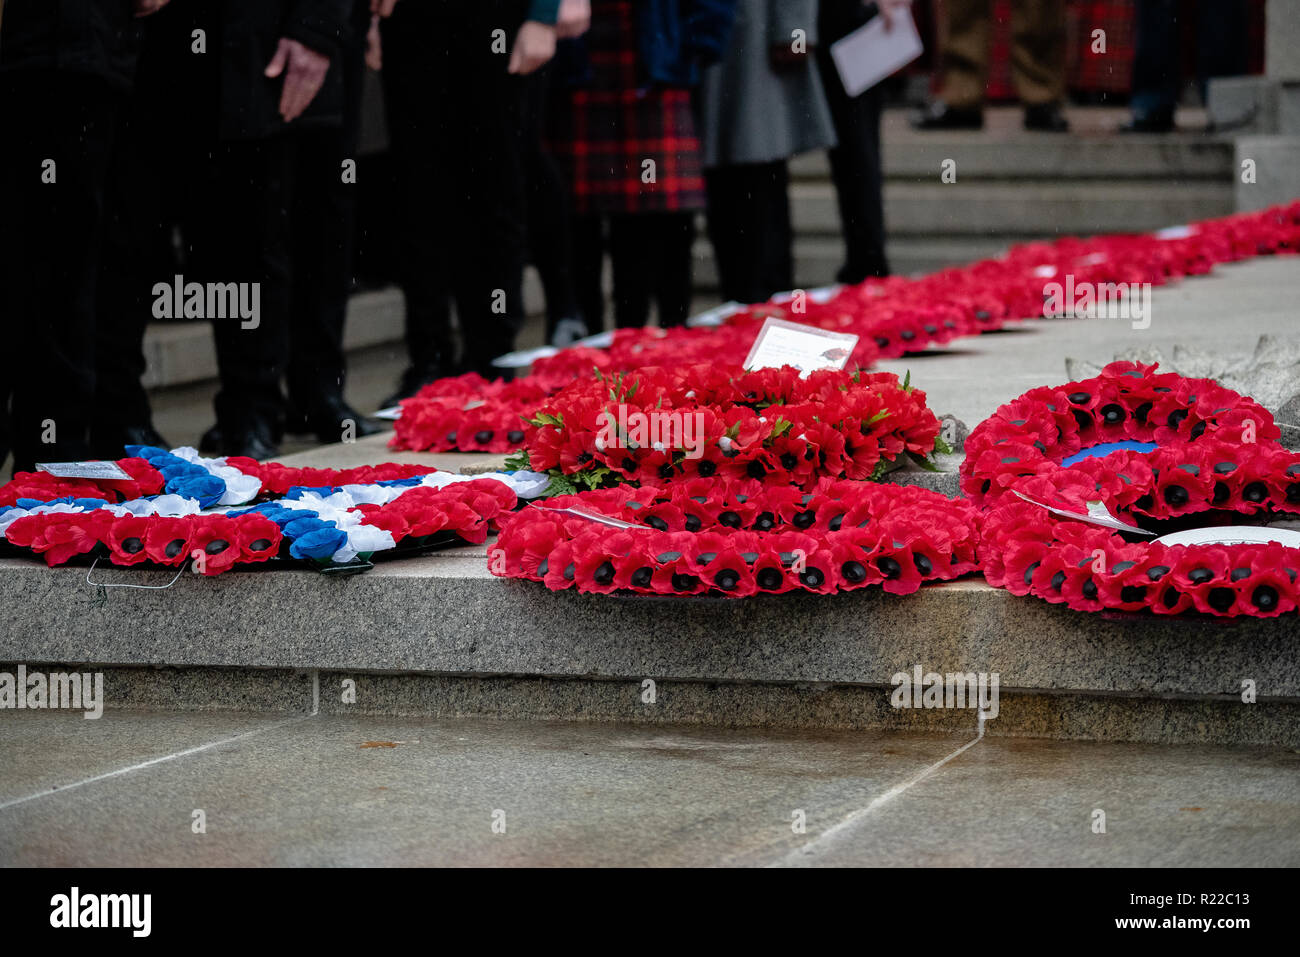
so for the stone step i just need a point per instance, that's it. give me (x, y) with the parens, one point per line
(817, 258)
(1183, 156)
(766, 660)
(1046, 209)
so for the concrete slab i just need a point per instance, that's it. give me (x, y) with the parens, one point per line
(42, 752)
(340, 791)
(1033, 804)
(384, 791)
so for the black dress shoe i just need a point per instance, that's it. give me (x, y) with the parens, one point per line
(1157, 121)
(252, 440)
(333, 420)
(1046, 118)
(413, 380)
(109, 443)
(940, 116)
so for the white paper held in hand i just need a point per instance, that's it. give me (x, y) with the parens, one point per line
(870, 53)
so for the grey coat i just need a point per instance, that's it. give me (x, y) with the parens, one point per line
(751, 113)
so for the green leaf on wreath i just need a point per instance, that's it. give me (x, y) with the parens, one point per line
(922, 462)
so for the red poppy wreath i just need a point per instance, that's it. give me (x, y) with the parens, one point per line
(658, 426)
(740, 538)
(1196, 491)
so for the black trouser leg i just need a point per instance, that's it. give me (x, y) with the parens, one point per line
(550, 244)
(486, 107)
(418, 151)
(323, 216)
(749, 226)
(240, 234)
(589, 269)
(856, 171)
(631, 254)
(1155, 60)
(651, 256)
(50, 231)
(676, 232)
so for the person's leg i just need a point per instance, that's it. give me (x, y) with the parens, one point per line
(964, 53)
(778, 231)
(549, 241)
(631, 252)
(51, 231)
(857, 174)
(676, 237)
(323, 219)
(726, 233)
(135, 255)
(489, 186)
(1222, 40)
(1155, 63)
(589, 269)
(1038, 51)
(418, 151)
(740, 222)
(242, 236)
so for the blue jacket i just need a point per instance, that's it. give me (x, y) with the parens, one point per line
(675, 39)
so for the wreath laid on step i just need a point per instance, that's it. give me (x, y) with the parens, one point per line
(1152, 452)
(218, 513)
(891, 318)
(657, 426)
(739, 538)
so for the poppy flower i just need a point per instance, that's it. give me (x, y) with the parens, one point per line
(258, 538)
(125, 540)
(167, 540)
(215, 539)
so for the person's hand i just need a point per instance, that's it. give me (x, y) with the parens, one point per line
(145, 7)
(304, 72)
(574, 19)
(889, 9)
(534, 46)
(374, 45)
(382, 8)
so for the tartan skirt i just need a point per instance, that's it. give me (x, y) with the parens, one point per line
(624, 147)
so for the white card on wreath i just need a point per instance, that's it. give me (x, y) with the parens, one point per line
(107, 471)
(807, 348)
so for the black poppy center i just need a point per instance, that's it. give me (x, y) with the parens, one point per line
(727, 579)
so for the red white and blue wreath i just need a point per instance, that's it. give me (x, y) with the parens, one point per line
(178, 507)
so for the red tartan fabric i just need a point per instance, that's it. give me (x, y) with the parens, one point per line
(1086, 72)
(1000, 85)
(1109, 72)
(625, 149)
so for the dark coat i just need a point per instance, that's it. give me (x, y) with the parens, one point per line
(101, 37)
(250, 32)
(98, 37)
